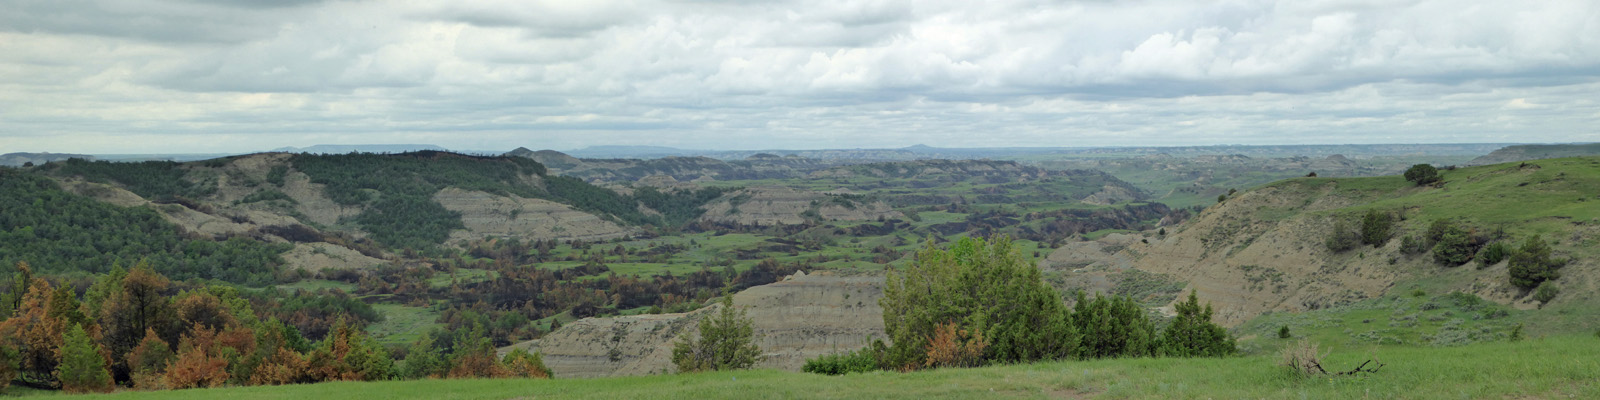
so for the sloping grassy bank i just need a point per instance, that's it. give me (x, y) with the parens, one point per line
(1556, 367)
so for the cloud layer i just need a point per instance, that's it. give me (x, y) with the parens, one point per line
(130, 76)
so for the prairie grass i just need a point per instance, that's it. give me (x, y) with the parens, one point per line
(1553, 367)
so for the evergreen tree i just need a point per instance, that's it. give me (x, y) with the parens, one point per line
(1454, 247)
(1192, 334)
(473, 356)
(1422, 174)
(1376, 227)
(423, 360)
(983, 287)
(1531, 264)
(275, 362)
(348, 354)
(1113, 327)
(64, 306)
(9, 360)
(199, 363)
(141, 304)
(148, 362)
(726, 342)
(82, 370)
(36, 336)
(12, 299)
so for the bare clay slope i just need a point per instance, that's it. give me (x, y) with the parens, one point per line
(1263, 250)
(800, 317)
(774, 205)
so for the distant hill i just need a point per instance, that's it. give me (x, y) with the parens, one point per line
(630, 152)
(1536, 152)
(359, 148)
(550, 158)
(19, 159)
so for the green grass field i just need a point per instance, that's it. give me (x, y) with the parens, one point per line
(402, 324)
(1555, 367)
(1536, 197)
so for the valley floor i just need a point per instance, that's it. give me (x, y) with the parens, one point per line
(1555, 367)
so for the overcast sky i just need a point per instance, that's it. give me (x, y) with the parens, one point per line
(142, 76)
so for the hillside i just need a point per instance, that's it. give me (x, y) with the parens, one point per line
(1263, 250)
(797, 318)
(410, 200)
(1536, 152)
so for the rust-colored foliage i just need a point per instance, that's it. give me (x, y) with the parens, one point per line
(141, 305)
(480, 363)
(951, 346)
(206, 310)
(347, 354)
(285, 367)
(148, 362)
(199, 363)
(522, 364)
(35, 335)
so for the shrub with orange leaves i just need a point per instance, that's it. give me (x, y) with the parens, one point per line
(951, 346)
(520, 363)
(198, 363)
(36, 336)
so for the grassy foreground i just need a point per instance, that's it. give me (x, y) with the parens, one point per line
(1556, 367)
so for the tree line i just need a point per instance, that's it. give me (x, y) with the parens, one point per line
(64, 233)
(138, 329)
(981, 302)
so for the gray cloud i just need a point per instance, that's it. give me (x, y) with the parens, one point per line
(149, 75)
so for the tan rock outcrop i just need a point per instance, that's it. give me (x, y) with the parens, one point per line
(801, 317)
(317, 256)
(486, 214)
(776, 205)
(1245, 264)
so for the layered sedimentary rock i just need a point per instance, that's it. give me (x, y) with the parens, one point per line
(801, 317)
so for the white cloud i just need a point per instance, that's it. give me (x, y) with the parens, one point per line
(86, 75)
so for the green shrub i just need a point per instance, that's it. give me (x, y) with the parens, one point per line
(82, 369)
(1283, 332)
(1413, 245)
(983, 286)
(1493, 253)
(726, 342)
(1516, 333)
(1192, 334)
(1454, 247)
(1113, 327)
(276, 174)
(1531, 264)
(1342, 238)
(1376, 227)
(1546, 292)
(1422, 174)
(859, 361)
(1437, 229)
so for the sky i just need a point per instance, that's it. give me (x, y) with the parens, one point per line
(203, 76)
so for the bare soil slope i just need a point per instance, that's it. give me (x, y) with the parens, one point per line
(800, 317)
